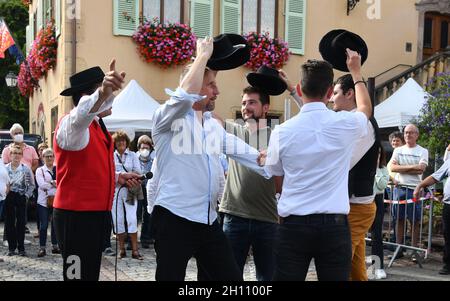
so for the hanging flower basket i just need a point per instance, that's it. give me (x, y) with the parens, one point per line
(166, 45)
(42, 56)
(25, 80)
(265, 50)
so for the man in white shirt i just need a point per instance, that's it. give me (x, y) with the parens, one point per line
(361, 178)
(313, 151)
(86, 175)
(188, 143)
(442, 173)
(409, 161)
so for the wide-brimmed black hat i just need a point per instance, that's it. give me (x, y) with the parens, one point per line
(230, 51)
(268, 80)
(333, 46)
(84, 79)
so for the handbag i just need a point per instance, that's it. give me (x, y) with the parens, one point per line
(50, 199)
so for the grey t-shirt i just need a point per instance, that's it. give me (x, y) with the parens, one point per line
(441, 174)
(247, 194)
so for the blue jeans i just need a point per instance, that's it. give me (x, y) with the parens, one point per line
(44, 217)
(413, 210)
(243, 233)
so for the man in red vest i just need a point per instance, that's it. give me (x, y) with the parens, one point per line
(86, 175)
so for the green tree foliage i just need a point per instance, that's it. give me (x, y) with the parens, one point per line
(13, 107)
(434, 120)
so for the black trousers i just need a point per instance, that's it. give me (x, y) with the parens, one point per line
(15, 207)
(324, 237)
(178, 239)
(143, 215)
(377, 230)
(81, 237)
(446, 224)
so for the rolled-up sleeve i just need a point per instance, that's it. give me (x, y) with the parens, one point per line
(176, 107)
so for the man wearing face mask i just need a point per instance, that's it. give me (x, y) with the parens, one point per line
(30, 156)
(146, 155)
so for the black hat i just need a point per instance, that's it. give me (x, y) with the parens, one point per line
(84, 79)
(230, 51)
(333, 46)
(268, 80)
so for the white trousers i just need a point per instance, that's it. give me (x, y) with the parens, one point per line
(124, 209)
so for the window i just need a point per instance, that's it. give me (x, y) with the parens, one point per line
(428, 33)
(260, 16)
(444, 34)
(165, 10)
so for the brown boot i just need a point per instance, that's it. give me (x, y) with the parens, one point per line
(121, 238)
(134, 244)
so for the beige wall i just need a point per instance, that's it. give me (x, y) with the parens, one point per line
(96, 45)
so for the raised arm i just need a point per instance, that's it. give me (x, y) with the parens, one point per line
(182, 99)
(363, 102)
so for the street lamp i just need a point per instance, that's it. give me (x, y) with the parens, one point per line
(11, 79)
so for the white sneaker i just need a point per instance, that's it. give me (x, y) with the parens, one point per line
(26, 242)
(5, 243)
(380, 274)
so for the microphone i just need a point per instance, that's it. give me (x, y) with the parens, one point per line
(147, 176)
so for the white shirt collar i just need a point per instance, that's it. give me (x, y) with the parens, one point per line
(313, 106)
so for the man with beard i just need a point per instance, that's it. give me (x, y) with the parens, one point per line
(249, 204)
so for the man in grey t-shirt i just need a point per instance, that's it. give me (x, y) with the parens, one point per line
(249, 203)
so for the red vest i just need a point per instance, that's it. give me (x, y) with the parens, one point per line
(86, 178)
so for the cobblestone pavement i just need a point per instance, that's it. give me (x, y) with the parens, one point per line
(49, 268)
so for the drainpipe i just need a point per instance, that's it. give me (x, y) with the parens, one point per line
(74, 45)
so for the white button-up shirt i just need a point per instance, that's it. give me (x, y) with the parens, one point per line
(73, 131)
(43, 179)
(188, 152)
(363, 144)
(313, 150)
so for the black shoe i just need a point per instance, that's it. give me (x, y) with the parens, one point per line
(56, 251)
(27, 231)
(11, 253)
(22, 253)
(42, 253)
(444, 271)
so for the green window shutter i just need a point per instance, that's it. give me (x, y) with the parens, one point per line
(202, 17)
(231, 12)
(295, 25)
(126, 17)
(31, 40)
(47, 11)
(58, 17)
(40, 15)
(28, 36)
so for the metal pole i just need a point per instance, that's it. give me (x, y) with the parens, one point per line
(430, 226)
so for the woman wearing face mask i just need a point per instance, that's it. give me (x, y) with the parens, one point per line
(30, 157)
(146, 155)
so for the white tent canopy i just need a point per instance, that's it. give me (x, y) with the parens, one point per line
(402, 106)
(132, 110)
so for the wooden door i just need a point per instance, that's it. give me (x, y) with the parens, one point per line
(436, 33)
